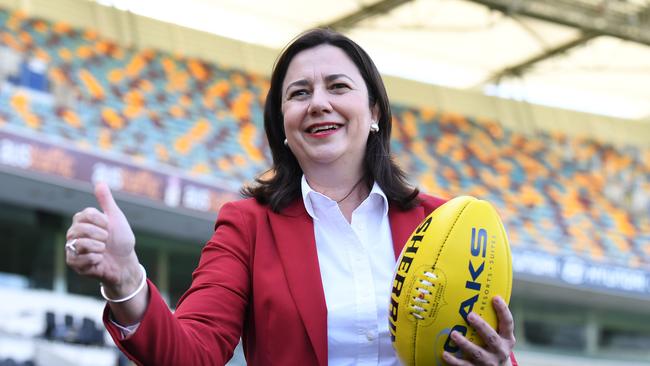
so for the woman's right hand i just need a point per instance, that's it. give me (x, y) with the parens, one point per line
(104, 246)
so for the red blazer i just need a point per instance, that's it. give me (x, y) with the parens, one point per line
(258, 278)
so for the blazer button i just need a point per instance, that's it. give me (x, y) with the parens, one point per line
(370, 336)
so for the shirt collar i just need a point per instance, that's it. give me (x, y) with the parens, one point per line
(311, 198)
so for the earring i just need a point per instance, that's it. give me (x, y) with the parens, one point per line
(286, 143)
(374, 127)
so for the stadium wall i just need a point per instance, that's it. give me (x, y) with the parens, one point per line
(132, 30)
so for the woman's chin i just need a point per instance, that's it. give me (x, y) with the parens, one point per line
(323, 157)
(329, 153)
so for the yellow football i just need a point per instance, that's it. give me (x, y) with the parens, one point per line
(454, 263)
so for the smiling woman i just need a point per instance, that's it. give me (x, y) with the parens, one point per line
(327, 117)
(325, 95)
(302, 268)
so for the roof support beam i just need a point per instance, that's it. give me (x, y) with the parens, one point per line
(350, 20)
(519, 69)
(632, 26)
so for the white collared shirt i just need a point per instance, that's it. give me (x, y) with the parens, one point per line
(356, 263)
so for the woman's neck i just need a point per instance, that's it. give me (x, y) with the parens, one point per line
(335, 185)
(347, 189)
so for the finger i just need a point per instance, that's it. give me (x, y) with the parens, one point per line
(84, 230)
(85, 245)
(85, 264)
(469, 349)
(506, 325)
(90, 265)
(105, 199)
(93, 216)
(453, 360)
(76, 216)
(492, 339)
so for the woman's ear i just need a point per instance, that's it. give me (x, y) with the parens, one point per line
(374, 113)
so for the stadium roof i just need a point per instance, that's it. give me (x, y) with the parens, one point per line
(587, 55)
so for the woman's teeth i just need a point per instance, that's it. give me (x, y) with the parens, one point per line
(322, 128)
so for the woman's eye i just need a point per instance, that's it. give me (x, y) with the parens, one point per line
(340, 86)
(298, 93)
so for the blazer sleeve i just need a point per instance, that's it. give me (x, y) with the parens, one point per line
(209, 318)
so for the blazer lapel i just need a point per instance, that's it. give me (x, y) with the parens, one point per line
(293, 232)
(402, 224)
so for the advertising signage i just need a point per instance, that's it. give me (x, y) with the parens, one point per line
(580, 272)
(48, 159)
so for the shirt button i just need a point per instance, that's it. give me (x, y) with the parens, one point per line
(370, 336)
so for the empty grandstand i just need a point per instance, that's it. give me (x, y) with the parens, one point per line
(176, 135)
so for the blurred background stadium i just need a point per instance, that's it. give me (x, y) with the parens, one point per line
(541, 107)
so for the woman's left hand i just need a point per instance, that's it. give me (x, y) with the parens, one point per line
(498, 344)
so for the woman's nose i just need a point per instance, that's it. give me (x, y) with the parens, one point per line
(319, 103)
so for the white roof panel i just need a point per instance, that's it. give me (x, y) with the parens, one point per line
(455, 43)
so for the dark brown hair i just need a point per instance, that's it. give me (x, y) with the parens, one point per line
(280, 186)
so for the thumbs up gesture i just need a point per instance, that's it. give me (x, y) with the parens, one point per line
(101, 244)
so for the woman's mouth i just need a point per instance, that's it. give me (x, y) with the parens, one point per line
(323, 128)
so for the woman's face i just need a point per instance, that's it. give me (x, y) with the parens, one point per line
(325, 106)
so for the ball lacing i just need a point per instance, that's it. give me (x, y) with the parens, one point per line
(417, 310)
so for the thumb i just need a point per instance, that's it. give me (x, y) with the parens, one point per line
(105, 199)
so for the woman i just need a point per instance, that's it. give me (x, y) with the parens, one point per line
(301, 269)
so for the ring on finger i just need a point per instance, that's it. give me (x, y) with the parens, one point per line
(71, 246)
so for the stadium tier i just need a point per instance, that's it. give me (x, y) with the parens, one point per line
(175, 137)
(555, 193)
(158, 108)
(150, 106)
